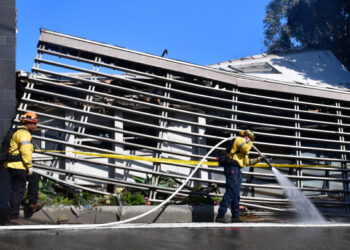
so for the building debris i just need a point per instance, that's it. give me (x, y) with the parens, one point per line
(95, 97)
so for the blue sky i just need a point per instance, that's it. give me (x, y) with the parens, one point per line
(198, 31)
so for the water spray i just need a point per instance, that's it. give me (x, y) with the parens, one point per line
(317, 219)
(305, 209)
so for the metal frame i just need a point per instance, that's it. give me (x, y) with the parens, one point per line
(293, 123)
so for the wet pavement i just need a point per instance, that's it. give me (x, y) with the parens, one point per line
(184, 236)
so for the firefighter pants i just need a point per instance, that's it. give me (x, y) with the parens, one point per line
(19, 178)
(231, 198)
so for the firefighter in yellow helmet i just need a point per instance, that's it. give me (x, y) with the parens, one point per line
(238, 158)
(19, 165)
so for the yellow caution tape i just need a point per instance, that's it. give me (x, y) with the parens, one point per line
(136, 158)
(142, 158)
(264, 165)
(166, 160)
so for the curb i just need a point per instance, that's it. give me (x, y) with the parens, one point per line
(106, 214)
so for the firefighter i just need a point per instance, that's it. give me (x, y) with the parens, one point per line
(237, 159)
(20, 168)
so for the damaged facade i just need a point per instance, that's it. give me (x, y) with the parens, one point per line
(94, 97)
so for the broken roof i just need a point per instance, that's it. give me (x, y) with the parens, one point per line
(319, 68)
(320, 88)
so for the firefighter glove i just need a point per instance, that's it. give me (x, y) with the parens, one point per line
(30, 170)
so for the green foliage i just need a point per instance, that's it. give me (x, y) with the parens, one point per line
(65, 196)
(132, 199)
(318, 24)
(198, 187)
(61, 200)
(276, 30)
(44, 198)
(46, 187)
(146, 180)
(87, 198)
(216, 199)
(165, 181)
(52, 193)
(113, 201)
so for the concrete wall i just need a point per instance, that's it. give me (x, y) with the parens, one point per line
(7, 64)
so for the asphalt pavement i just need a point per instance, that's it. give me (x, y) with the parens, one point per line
(184, 236)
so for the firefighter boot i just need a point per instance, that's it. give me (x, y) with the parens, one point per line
(17, 222)
(221, 220)
(31, 209)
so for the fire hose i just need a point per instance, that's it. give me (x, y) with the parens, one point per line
(263, 156)
(92, 226)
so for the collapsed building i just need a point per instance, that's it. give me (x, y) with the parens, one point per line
(108, 113)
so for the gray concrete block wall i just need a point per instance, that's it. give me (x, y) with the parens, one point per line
(7, 64)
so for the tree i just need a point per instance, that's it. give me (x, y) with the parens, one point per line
(317, 24)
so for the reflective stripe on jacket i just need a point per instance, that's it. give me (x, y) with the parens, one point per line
(21, 144)
(240, 151)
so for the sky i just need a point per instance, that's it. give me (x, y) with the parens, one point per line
(203, 32)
